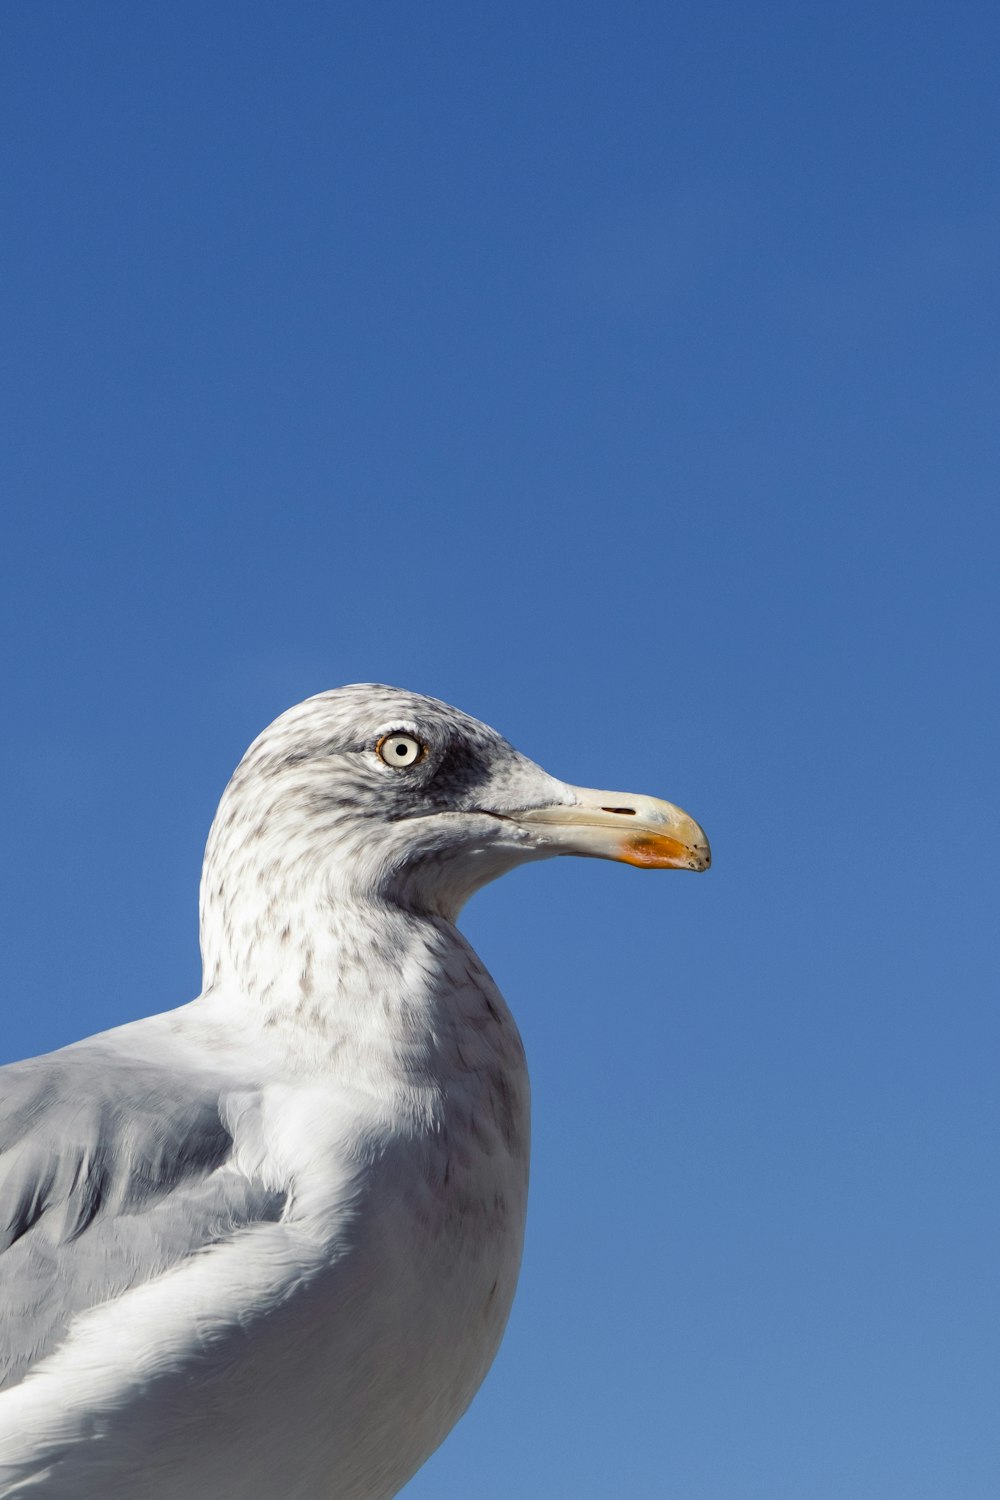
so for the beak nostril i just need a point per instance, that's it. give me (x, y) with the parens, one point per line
(627, 811)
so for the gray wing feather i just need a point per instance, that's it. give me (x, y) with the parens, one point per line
(111, 1171)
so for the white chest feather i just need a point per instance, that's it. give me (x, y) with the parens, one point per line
(326, 1354)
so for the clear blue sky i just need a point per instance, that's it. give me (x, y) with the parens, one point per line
(628, 376)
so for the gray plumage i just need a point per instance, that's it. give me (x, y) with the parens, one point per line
(112, 1169)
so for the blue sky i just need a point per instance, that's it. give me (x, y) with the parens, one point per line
(628, 376)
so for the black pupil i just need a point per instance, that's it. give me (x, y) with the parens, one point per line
(402, 749)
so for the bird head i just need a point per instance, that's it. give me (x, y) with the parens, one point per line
(372, 794)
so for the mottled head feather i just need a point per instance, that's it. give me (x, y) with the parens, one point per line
(314, 819)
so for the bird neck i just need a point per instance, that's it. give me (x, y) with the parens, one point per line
(388, 984)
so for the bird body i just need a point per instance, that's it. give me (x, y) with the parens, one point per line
(267, 1243)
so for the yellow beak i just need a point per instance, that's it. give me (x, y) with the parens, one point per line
(637, 830)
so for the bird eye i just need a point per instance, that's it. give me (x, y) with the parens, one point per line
(400, 749)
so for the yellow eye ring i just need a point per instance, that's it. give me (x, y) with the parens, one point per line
(400, 750)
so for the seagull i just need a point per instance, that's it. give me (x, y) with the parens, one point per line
(266, 1244)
